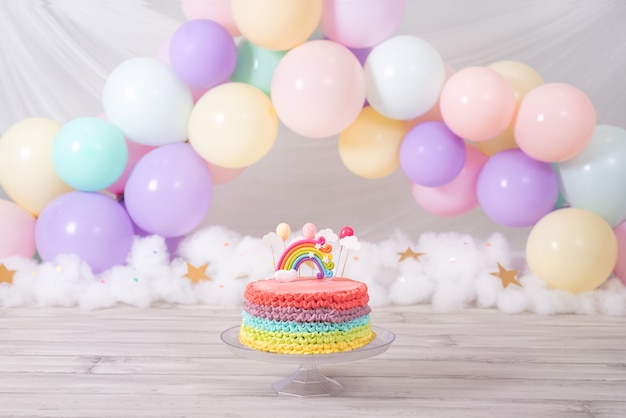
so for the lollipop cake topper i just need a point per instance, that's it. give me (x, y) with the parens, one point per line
(313, 249)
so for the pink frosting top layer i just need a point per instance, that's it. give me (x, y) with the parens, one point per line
(307, 285)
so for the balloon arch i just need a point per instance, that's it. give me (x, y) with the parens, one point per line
(529, 153)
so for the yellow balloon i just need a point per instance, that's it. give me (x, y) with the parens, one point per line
(370, 146)
(506, 140)
(233, 125)
(572, 249)
(277, 24)
(27, 174)
(520, 76)
(283, 230)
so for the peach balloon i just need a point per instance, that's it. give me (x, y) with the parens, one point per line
(219, 11)
(27, 174)
(369, 146)
(17, 229)
(222, 175)
(318, 89)
(233, 125)
(620, 267)
(277, 24)
(555, 122)
(458, 196)
(477, 103)
(572, 249)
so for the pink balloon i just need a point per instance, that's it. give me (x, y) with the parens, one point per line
(346, 231)
(318, 89)
(555, 122)
(221, 175)
(135, 152)
(17, 229)
(361, 23)
(620, 267)
(219, 11)
(458, 196)
(477, 103)
(309, 230)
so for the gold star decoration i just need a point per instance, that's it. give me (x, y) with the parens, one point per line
(409, 253)
(6, 275)
(195, 274)
(506, 276)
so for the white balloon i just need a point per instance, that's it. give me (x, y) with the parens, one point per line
(145, 99)
(404, 76)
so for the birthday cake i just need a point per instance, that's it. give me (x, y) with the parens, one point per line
(314, 314)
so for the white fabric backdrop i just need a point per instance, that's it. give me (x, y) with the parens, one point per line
(55, 56)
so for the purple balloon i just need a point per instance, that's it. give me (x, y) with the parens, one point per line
(169, 191)
(202, 53)
(431, 155)
(515, 190)
(91, 226)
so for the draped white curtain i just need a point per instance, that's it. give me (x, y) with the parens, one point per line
(55, 56)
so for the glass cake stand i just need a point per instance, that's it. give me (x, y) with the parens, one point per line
(307, 381)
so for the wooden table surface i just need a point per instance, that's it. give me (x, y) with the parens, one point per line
(169, 361)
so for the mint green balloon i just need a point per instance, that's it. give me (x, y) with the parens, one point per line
(595, 179)
(256, 65)
(89, 154)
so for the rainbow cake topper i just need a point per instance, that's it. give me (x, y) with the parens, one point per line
(314, 249)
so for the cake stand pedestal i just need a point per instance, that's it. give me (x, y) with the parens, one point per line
(307, 381)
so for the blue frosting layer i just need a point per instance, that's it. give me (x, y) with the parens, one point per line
(271, 325)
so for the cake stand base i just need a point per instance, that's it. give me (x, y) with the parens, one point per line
(306, 382)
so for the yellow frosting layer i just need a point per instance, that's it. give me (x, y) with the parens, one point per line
(306, 343)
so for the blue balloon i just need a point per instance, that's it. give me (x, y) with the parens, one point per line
(89, 154)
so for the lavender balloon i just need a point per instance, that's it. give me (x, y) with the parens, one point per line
(91, 226)
(515, 190)
(169, 191)
(432, 155)
(202, 53)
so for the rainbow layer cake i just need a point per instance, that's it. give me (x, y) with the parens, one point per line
(321, 314)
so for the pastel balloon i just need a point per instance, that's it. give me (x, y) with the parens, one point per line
(555, 122)
(506, 140)
(256, 65)
(522, 77)
(283, 230)
(318, 89)
(434, 113)
(369, 146)
(309, 230)
(27, 173)
(361, 23)
(277, 24)
(219, 11)
(404, 76)
(594, 179)
(148, 102)
(202, 53)
(477, 103)
(620, 266)
(135, 153)
(17, 229)
(222, 175)
(458, 196)
(91, 226)
(572, 249)
(516, 191)
(431, 154)
(89, 153)
(169, 191)
(233, 125)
